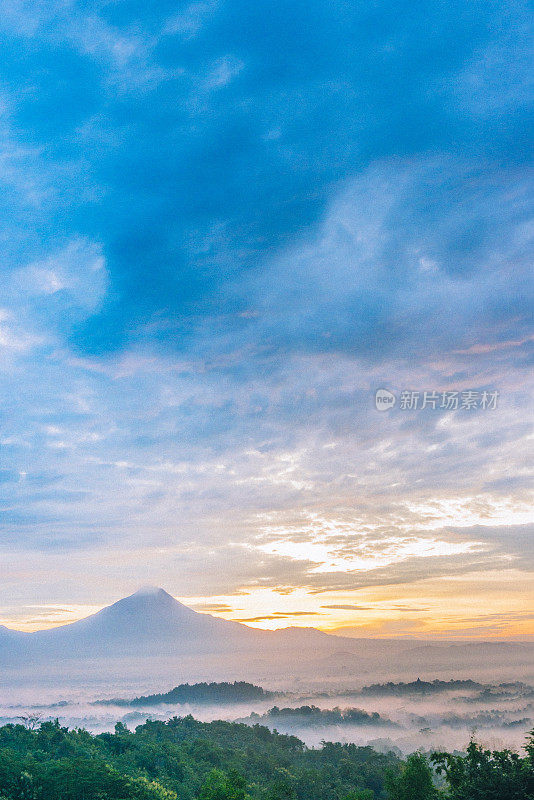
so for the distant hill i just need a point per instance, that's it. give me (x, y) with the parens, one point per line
(420, 687)
(312, 716)
(199, 693)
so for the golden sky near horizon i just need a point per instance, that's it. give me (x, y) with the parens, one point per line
(266, 334)
(491, 605)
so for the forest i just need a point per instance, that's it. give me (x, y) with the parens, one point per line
(216, 693)
(184, 759)
(314, 716)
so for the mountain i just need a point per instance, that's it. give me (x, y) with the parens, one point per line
(149, 640)
(7, 636)
(150, 621)
(148, 617)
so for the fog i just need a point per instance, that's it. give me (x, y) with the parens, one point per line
(405, 720)
(322, 687)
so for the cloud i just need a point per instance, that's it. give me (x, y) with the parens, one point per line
(358, 286)
(9, 475)
(214, 608)
(221, 237)
(349, 607)
(356, 607)
(279, 615)
(188, 190)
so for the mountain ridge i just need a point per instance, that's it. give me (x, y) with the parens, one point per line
(155, 602)
(149, 618)
(150, 633)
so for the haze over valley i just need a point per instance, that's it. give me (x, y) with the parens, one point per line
(116, 665)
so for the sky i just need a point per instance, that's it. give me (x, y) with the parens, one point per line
(225, 226)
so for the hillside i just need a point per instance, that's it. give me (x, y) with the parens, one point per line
(199, 693)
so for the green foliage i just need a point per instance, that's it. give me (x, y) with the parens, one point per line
(223, 786)
(414, 781)
(312, 716)
(283, 787)
(143, 789)
(214, 693)
(183, 759)
(488, 775)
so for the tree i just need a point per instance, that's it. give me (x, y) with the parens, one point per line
(31, 721)
(282, 789)
(488, 775)
(143, 789)
(24, 788)
(414, 782)
(223, 786)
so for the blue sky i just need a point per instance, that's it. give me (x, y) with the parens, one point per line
(225, 225)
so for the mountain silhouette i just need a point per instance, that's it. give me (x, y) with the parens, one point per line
(148, 621)
(150, 636)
